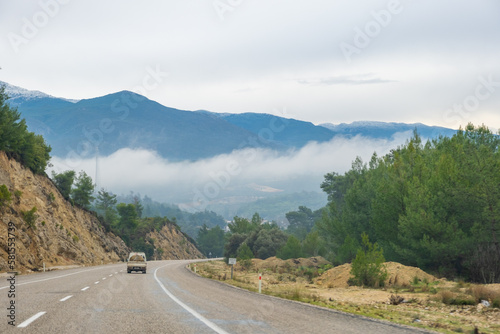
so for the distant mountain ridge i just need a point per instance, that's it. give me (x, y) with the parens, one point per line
(128, 120)
(19, 95)
(375, 129)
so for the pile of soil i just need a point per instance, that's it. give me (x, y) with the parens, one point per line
(398, 274)
(336, 277)
(404, 275)
(274, 264)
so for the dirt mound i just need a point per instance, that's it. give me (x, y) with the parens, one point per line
(398, 274)
(274, 264)
(336, 277)
(403, 275)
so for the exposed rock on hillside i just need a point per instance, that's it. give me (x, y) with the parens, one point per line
(172, 244)
(61, 235)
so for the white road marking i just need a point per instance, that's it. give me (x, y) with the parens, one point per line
(85, 288)
(65, 298)
(116, 273)
(47, 279)
(103, 278)
(96, 282)
(198, 316)
(110, 275)
(30, 320)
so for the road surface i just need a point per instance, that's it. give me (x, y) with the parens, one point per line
(167, 299)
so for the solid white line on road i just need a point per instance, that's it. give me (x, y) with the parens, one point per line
(65, 298)
(30, 320)
(198, 316)
(85, 288)
(96, 282)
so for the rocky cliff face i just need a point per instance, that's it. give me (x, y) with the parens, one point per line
(62, 234)
(171, 244)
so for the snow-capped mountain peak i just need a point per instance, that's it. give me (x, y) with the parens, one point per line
(15, 92)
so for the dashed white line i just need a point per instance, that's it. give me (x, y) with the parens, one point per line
(116, 273)
(85, 288)
(96, 282)
(30, 320)
(65, 298)
(103, 278)
(110, 275)
(50, 278)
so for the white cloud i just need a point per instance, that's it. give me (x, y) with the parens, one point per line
(225, 175)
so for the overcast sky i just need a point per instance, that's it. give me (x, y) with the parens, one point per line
(435, 62)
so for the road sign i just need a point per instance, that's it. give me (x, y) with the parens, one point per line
(232, 260)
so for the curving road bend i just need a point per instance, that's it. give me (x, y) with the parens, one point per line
(168, 299)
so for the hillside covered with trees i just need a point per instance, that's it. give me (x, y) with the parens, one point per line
(435, 205)
(19, 143)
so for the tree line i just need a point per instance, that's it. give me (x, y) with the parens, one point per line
(433, 204)
(19, 143)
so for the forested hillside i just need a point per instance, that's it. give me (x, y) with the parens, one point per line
(435, 205)
(190, 223)
(17, 142)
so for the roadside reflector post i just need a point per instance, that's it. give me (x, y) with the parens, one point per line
(44, 267)
(260, 283)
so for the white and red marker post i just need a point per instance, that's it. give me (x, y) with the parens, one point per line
(260, 283)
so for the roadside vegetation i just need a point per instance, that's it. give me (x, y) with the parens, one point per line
(432, 205)
(409, 296)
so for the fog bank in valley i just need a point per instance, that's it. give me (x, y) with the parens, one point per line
(248, 173)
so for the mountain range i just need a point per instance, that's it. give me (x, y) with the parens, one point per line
(127, 120)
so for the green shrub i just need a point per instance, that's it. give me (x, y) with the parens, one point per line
(75, 238)
(367, 268)
(245, 255)
(30, 217)
(18, 194)
(291, 250)
(5, 195)
(450, 298)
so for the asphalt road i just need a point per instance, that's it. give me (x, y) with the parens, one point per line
(168, 299)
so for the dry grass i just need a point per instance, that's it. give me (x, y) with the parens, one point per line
(420, 301)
